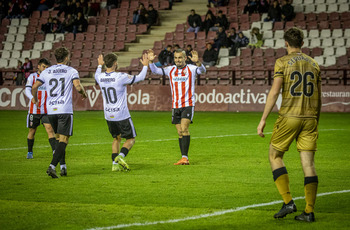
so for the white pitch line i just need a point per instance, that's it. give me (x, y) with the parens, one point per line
(218, 213)
(158, 140)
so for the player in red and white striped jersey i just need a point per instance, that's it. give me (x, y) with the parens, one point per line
(182, 82)
(38, 113)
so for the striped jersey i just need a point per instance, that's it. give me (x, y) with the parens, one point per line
(42, 95)
(301, 96)
(114, 92)
(182, 83)
(58, 80)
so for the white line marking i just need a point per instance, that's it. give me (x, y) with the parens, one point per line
(159, 140)
(218, 213)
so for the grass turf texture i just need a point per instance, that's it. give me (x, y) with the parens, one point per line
(226, 172)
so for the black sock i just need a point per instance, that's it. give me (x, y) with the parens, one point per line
(52, 143)
(57, 141)
(59, 153)
(180, 144)
(114, 155)
(124, 151)
(63, 158)
(185, 145)
(30, 144)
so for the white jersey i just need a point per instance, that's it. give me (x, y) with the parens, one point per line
(58, 80)
(113, 86)
(42, 95)
(182, 82)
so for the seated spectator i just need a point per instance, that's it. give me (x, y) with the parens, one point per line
(80, 24)
(67, 24)
(56, 26)
(251, 7)
(256, 38)
(165, 57)
(112, 4)
(194, 21)
(220, 21)
(19, 75)
(189, 54)
(13, 10)
(232, 37)
(242, 41)
(27, 67)
(210, 56)
(263, 6)
(274, 13)
(287, 11)
(78, 8)
(46, 28)
(139, 15)
(208, 22)
(92, 8)
(152, 16)
(220, 39)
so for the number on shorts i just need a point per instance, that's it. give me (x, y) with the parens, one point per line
(110, 95)
(308, 86)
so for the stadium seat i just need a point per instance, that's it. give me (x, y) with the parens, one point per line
(312, 25)
(336, 25)
(35, 54)
(22, 29)
(180, 28)
(49, 37)
(306, 51)
(314, 34)
(319, 60)
(190, 36)
(278, 26)
(38, 46)
(269, 53)
(340, 51)
(316, 52)
(89, 37)
(258, 53)
(339, 42)
(278, 34)
(281, 52)
(327, 42)
(321, 8)
(299, 17)
(309, 8)
(257, 25)
(26, 54)
(322, 16)
(6, 54)
(289, 25)
(267, 26)
(18, 46)
(325, 33)
(323, 25)
(337, 33)
(330, 60)
(79, 37)
(110, 37)
(47, 46)
(3, 63)
(269, 42)
(280, 43)
(211, 35)
(88, 45)
(329, 51)
(12, 30)
(112, 20)
(332, 8)
(246, 52)
(268, 34)
(224, 61)
(316, 42)
(13, 63)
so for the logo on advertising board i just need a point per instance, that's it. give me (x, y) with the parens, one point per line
(93, 95)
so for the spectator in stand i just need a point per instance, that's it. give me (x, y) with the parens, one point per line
(189, 54)
(195, 22)
(256, 38)
(78, 8)
(28, 8)
(165, 57)
(45, 5)
(287, 11)
(170, 5)
(152, 16)
(251, 7)
(274, 13)
(139, 15)
(112, 4)
(3, 11)
(208, 22)
(220, 21)
(92, 8)
(263, 6)
(242, 41)
(27, 67)
(220, 39)
(232, 37)
(13, 10)
(46, 28)
(56, 26)
(215, 3)
(19, 75)
(65, 7)
(67, 24)
(210, 56)
(80, 24)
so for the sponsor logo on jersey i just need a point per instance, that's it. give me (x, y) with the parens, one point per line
(61, 102)
(179, 79)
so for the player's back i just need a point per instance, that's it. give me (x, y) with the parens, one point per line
(59, 84)
(114, 93)
(301, 85)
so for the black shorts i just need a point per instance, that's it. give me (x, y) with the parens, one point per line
(185, 112)
(33, 120)
(125, 128)
(62, 124)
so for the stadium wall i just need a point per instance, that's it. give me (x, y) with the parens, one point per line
(208, 98)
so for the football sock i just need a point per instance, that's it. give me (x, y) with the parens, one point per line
(310, 188)
(52, 166)
(114, 155)
(63, 158)
(63, 166)
(59, 153)
(123, 152)
(30, 144)
(281, 178)
(180, 144)
(185, 145)
(52, 143)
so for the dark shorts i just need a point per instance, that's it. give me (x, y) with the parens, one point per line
(125, 128)
(185, 112)
(62, 124)
(33, 120)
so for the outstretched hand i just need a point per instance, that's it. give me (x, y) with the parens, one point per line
(151, 55)
(194, 57)
(145, 59)
(100, 60)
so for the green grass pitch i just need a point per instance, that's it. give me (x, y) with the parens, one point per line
(229, 169)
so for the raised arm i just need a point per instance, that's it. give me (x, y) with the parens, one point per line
(141, 76)
(201, 69)
(99, 67)
(152, 66)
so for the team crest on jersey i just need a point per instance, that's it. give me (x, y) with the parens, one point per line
(130, 77)
(184, 72)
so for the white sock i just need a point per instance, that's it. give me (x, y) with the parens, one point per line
(122, 154)
(183, 156)
(52, 166)
(115, 163)
(63, 166)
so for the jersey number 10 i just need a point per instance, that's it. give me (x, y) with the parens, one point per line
(110, 95)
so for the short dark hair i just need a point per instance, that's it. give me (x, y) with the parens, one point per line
(294, 36)
(44, 61)
(61, 54)
(109, 59)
